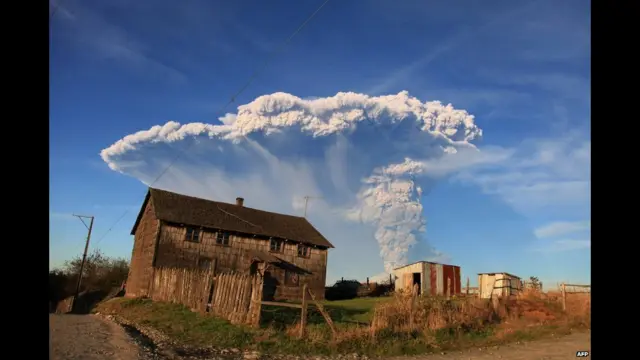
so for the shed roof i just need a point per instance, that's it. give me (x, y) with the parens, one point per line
(276, 261)
(422, 261)
(188, 210)
(504, 273)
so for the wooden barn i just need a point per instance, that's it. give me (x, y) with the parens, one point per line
(430, 278)
(179, 231)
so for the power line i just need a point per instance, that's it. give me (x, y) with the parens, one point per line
(231, 100)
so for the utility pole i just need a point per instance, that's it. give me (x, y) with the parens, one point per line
(306, 202)
(84, 256)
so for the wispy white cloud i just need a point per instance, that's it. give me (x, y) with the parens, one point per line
(545, 174)
(560, 228)
(563, 245)
(559, 84)
(110, 41)
(434, 52)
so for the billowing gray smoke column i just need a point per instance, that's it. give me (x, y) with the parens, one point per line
(369, 158)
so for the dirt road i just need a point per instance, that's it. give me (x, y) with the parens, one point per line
(561, 348)
(88, 337)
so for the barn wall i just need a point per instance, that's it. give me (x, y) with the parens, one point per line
(403, 281)
(141, 267)
(433, 278)
(174, 251)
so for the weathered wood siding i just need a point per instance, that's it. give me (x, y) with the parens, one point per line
(175, 251)
(190, 287)
(141, 268)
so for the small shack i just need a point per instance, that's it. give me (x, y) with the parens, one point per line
(498, 284)
(431, 278)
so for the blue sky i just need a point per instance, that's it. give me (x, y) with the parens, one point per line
(521, 68)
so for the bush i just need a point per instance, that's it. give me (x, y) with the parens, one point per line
(101, 274)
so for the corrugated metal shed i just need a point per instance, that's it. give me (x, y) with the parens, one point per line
(431, 278)
(498, 284)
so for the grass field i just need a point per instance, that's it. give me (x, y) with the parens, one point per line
(354, 311)
(372, 326)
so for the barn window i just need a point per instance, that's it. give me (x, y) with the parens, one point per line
(275, 245)
(303, 251)
(222, 238)
(192, 234)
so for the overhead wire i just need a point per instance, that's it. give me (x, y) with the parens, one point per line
(231, 100)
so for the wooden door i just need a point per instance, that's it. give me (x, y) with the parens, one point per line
(407, 281)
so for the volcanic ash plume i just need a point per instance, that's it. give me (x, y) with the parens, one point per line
(368, 158)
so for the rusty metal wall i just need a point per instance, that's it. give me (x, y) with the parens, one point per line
(447, 279)
(433, 278)
(458, 279)
(400, 282)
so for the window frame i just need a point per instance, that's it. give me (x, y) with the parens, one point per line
(280, 243)
(306, 252)
(221, 236)
(192, 234)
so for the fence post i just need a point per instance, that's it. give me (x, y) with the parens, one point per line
(448, 287)
(303, 311)
(467, 286)
(413, 305)
(326, 316)
(564, 296)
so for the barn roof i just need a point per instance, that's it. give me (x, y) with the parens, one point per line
(188, 210)
(422, 261)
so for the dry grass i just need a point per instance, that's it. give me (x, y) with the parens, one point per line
(399, 325)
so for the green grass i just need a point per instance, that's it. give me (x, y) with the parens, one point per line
(189, 328)
(357, 311)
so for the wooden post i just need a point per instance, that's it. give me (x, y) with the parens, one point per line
(326, 316)
(467, 286)
(303, 311)
(84, 260)
(564, 296)
(448, 287)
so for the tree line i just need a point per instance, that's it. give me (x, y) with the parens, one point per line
(100, 274)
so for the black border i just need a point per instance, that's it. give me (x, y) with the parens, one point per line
(614, 94)
(614, 70)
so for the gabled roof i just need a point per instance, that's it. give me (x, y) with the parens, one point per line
(423, 261)
(502, 273)
(188, 210)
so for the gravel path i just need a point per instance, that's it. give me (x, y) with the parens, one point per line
(89, 337)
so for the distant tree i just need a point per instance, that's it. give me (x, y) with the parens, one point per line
(535, 283)
(58, 286)
(100, 272)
